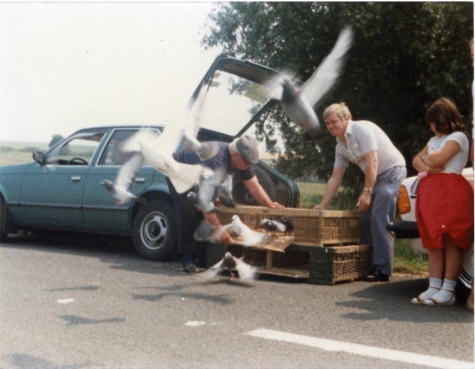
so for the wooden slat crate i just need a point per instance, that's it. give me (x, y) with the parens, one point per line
(318, 265)
(312, 227)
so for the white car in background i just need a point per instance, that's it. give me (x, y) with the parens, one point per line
(407, 228)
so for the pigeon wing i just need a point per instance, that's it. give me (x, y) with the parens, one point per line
(194, 113)
(250, 237)
(246, 271)
(211, 272)
(328, 72)
(264, 221)
(186, 178)
(127, 172)
(281, 227)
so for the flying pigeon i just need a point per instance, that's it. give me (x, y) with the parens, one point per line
(210, 188)
(120, 189)
(246, 271)
(299, 104)
(204, 232)
(192, 117)
(224, 192)
(158, 149)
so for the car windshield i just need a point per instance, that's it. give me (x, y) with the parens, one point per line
(231, 102)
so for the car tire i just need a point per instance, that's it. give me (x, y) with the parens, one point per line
(241, 194)
(462, 292)
(3, 216)
(155, 231)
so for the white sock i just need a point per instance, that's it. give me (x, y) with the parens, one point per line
(446, 292)
(434, 287)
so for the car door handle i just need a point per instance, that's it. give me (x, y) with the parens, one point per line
(140, 180)
(75, 178)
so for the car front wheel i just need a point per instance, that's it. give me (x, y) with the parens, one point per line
(155, 232)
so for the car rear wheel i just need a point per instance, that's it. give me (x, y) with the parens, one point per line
(3, 215)
(155, 232)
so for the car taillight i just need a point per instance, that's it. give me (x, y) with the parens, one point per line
(403, 201)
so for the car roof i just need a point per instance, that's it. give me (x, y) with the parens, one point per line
(203, 135)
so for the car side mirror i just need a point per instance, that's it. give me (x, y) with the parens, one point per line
(39, 157)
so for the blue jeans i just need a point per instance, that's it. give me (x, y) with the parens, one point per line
(381, 212)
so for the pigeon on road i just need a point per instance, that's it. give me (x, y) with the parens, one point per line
(246, 272)
(299, 104)
(120, 189)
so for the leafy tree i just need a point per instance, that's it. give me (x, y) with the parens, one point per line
(405, 56)
(55, 139)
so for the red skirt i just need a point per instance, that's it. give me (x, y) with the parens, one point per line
(444, 205)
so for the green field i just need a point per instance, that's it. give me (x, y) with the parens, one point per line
(405, 260)
(18, 152)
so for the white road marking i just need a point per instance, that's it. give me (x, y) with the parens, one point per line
(195, 323)
(64, 301)
(353, 348)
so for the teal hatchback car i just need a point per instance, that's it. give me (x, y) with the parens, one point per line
(61, 189)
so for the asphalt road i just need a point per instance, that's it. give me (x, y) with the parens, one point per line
(75, 301)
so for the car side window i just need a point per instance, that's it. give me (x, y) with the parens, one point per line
(113, 153)
(76, 151)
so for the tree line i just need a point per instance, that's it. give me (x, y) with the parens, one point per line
(405, 56)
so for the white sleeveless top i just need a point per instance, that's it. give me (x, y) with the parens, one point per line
(458, 162)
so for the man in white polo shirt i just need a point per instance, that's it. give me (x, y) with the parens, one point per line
(365, 144)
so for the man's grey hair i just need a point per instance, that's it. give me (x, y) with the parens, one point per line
(340, 109)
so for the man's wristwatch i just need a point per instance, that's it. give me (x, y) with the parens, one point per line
(369, 189)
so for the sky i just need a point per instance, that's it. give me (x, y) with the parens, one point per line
(67, 66)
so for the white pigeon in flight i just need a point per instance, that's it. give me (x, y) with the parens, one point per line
(212, 186)
(299, 104)
(158, 149)
(120, 189)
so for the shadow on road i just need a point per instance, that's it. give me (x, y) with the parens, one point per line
(118, 251)
(391, 301)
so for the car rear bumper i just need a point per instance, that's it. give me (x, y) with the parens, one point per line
(404, 229)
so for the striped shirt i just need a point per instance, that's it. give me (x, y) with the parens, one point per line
(363, 137)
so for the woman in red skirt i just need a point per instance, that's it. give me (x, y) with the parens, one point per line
(444, 205)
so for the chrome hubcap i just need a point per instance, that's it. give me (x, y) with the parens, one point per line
(154, 230)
